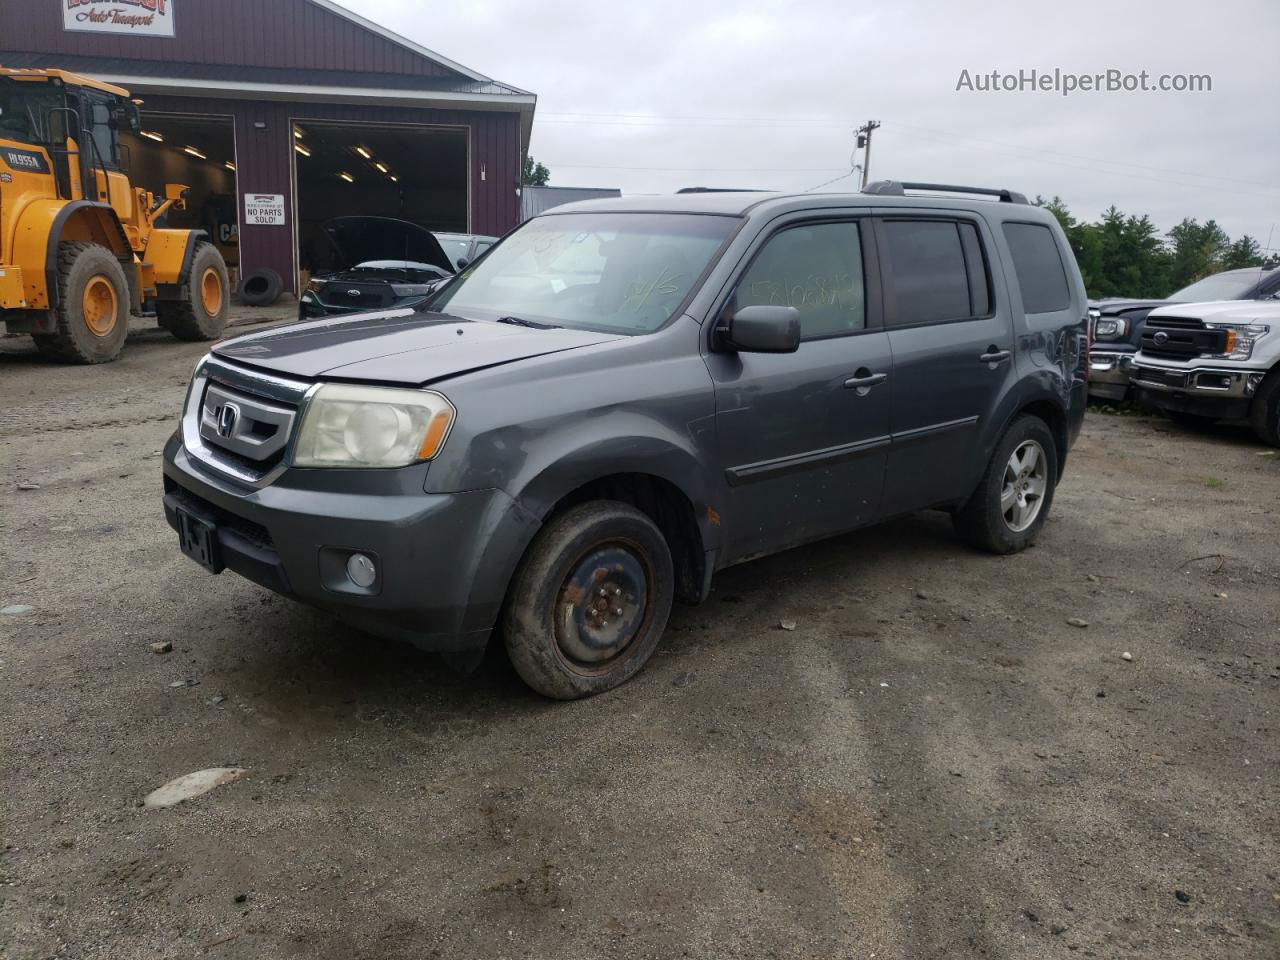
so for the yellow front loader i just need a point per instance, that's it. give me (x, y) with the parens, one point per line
(79, 247)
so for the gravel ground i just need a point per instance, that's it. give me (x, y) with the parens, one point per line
(933, 764)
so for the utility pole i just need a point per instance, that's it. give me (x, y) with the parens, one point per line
(864, 141)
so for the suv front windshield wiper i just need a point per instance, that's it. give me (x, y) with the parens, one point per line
(522, 322)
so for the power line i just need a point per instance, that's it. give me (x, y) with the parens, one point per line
(653, 120)
(592, 166)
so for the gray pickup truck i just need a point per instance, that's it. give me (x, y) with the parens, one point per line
(625, 396)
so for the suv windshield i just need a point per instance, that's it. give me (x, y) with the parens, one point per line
(1221, 286)
(621, 272)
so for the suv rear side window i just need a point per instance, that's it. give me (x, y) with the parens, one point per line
(1038, 265)
(937, 271)
(816, 268)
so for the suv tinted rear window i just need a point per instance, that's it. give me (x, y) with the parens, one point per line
(1038, 266)
(937, 271)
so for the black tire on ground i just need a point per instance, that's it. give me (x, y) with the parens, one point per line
(1190, 419)
(982, 521)
(599, 553)
(204, 315)
(261, 288)
(89, 276)
(1264, 411)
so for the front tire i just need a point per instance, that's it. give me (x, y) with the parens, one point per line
(1264, 411)
(204, 315)
(91, 320)
(590, 600)
(1011, 504)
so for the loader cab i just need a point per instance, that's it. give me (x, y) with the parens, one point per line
(78, 126)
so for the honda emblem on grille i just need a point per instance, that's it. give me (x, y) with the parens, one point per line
(1161, 337)
(353, 293)
(225, 417)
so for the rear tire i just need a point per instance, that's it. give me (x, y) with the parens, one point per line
(1264, 412)
(1011, 504)
(590, 600)
(91, 320)
(204, 315)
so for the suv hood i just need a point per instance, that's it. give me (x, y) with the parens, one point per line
(1224, 311)
(397, 346)
(361, 239)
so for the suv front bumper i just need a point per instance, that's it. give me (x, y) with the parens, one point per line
(443, 560)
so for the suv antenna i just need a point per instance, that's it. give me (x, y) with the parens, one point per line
(1266, 258)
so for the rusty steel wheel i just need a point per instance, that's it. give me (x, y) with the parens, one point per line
(100, 305)
(589, 601)
(604, 604)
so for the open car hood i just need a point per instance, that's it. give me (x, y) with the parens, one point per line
(361, 239)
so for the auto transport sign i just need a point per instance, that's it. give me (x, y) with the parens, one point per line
(135, 18)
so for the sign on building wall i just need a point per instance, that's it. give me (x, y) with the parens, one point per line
(134, 18)
(264, 208)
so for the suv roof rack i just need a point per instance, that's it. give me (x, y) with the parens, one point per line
(892, 188)
(722, 190)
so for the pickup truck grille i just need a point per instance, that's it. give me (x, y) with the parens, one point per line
(1178, 338)
(239, 422)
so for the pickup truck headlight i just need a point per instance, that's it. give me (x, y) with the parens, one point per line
(1240, 339)
(1109, 328)
(349, 425)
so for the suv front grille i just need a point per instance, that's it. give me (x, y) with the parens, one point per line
(239, 421)
(1180, 338)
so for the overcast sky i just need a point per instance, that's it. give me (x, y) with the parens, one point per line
(653, 96)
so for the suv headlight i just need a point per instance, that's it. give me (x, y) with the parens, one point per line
(1109, 328)
(1240, 339)
(349, 425)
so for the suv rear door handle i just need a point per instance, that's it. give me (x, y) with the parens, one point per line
(864, 380)
(995, 356)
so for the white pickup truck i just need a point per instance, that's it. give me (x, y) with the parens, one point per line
(1213, 361)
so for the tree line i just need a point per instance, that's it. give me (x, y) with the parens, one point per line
(1122, 255)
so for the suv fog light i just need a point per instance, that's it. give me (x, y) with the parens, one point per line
(361, 570)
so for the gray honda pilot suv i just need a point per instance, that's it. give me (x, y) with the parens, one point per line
(625, 396)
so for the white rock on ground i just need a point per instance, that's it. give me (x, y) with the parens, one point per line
(192, 785)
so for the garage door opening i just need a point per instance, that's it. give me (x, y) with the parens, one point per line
(200, 152)
(413, 173)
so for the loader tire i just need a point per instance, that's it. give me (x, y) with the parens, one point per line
(204, 315)
(91, 319)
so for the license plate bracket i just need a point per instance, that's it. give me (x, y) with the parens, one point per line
(198, 539)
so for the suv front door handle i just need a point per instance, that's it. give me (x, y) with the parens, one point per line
(863, 380)
(994, 356)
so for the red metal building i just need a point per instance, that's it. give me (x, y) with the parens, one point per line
(283, 113)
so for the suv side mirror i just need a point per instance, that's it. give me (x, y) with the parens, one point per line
(761, 329)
